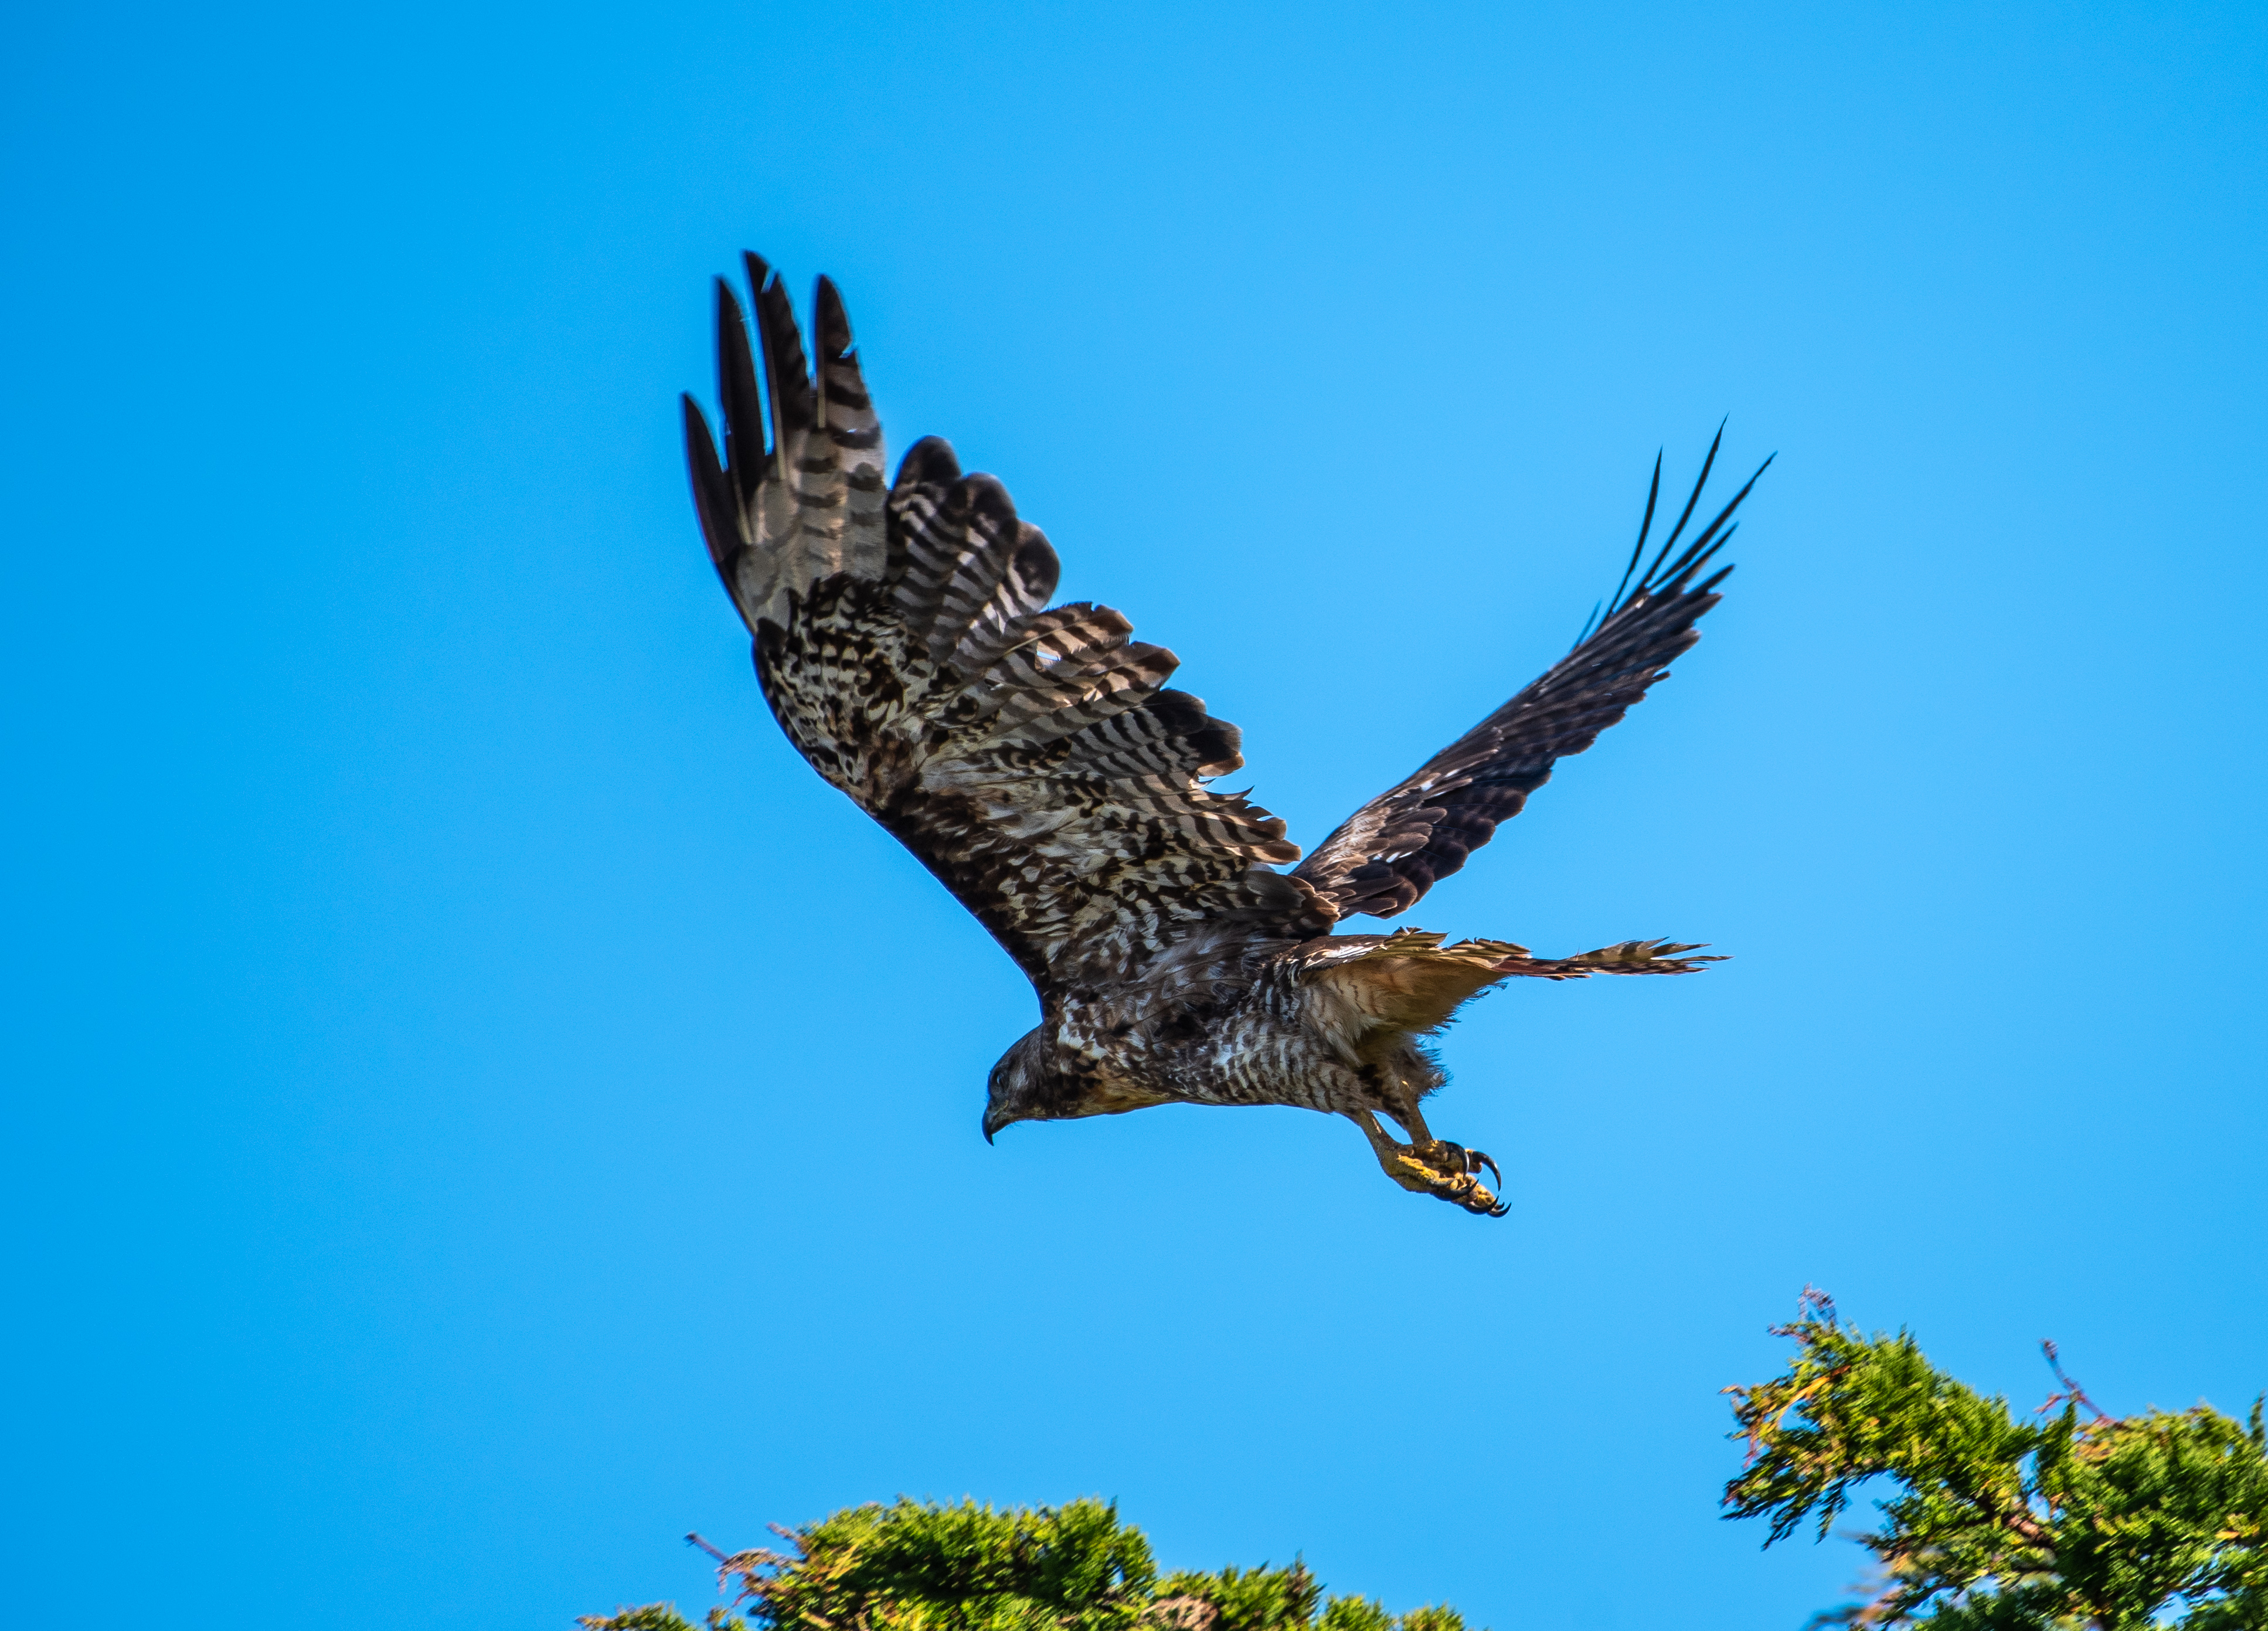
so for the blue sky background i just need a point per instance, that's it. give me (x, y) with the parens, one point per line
(482, 1107)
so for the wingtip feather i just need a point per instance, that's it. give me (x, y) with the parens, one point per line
(832, 323)
(712, 489)
(740, 397)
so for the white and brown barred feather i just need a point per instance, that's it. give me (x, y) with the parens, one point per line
(1032, 758)
(1386, 855)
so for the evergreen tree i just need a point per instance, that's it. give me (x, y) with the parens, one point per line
(2069, 1520)
(2064, 1522)
(917, 1566)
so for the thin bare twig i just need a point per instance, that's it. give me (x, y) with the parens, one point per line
(2071, 1393)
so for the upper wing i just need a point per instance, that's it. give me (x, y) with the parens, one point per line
(1395, 847)
(1031, 758)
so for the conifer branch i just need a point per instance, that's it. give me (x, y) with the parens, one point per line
(2109, 1523)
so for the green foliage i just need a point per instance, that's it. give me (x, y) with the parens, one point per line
(915, 1566)
(658, 1617)
(1255, 1600)
(2056, 1524)
(1360, 1614)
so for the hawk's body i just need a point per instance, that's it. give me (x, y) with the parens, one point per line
(1034, 761)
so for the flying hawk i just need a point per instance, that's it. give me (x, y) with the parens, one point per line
(1032, 757)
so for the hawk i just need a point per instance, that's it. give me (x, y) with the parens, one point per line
(1033, 758)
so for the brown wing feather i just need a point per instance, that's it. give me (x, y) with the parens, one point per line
(1032, 758)
(1395, 848)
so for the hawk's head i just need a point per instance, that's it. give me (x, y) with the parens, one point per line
(1034, 1082)
(1021, 1085)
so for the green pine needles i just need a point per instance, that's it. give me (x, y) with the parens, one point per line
(2061, 1523)
(917, 1566)
(2067, 1520)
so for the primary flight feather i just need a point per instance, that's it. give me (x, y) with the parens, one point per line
(1034, 759)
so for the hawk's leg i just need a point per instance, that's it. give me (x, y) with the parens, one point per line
(1431, 1166)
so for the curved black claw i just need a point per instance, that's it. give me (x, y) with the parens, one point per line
(1447, 1172)
(1429, 1166)
(1471, 1160)
(1481, 1203)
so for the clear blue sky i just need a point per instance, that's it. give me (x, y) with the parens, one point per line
(480, 1106)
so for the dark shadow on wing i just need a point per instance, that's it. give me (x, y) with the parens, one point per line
(1395, 848)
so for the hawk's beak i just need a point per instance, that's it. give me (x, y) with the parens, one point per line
(993, 1122)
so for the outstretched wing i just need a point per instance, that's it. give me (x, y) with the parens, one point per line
(1032, 758)
(1395, 848)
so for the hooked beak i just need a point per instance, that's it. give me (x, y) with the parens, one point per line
(994, 1120)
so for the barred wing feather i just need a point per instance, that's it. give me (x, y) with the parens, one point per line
(1032, 758)
(1395, 848)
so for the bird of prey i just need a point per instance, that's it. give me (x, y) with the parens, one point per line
(1032, 758)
